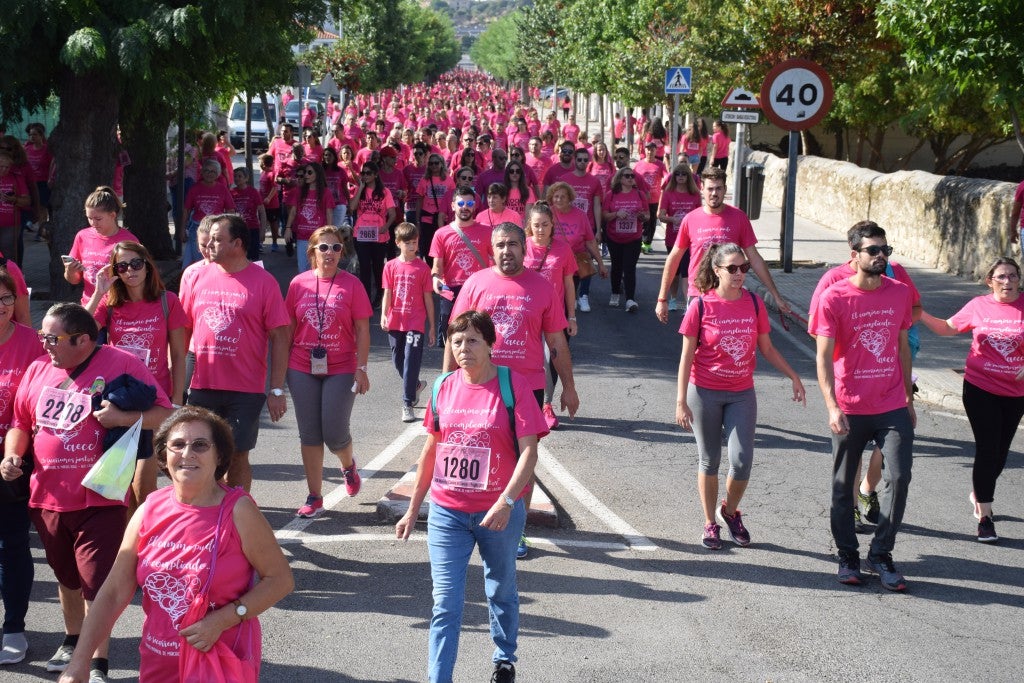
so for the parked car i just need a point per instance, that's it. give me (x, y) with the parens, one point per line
(546, 93)
(293, 114)
(259, 139)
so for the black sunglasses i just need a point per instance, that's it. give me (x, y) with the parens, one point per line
(134, 264)
(743, 267)
(875, 250)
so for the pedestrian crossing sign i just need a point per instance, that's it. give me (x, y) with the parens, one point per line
(677, 80)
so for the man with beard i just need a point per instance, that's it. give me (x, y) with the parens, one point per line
(459, 249)
(864, 371)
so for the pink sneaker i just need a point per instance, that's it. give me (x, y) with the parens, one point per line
(353, 481)
(550, 417)
(314, 504)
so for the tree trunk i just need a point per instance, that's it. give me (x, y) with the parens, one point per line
(145, 181)
(83, 145)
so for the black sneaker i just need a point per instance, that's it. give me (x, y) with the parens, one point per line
(289, 249)
(869, 503)
(849, 569)
(858, 524)
(504, 672)
(886, 570)
(987, 530)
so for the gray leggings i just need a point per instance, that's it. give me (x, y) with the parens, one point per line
(323, 406)
(733, 411)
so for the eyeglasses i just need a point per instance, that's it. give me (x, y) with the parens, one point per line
(134, 264)
(466, 178)
(8, 299)
(743, 267)
(875, 250)
(465, 203)
(54, 339)
(628, 175)
(177, 446)
(323, 247)
(1009, 277)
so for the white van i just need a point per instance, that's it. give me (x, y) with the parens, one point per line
(260, 140)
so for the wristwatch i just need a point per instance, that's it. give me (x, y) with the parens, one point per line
(277, 391)
(364, 368)
(510, 501)
(240, 609)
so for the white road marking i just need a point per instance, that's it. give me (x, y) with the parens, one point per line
(634, 539)
(294, 528)
(943, 414)
(420, 536)
(801, 345)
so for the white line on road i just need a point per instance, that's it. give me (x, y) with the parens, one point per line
(943, 414)
(634, 538)
(800, 345)
(291, 531)
(349, 538)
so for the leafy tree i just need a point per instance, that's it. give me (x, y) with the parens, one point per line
(496, 50)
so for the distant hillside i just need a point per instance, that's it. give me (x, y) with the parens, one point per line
(471, 17)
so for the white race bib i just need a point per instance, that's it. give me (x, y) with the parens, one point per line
(367, 233)
(458, 467)
(61, 410)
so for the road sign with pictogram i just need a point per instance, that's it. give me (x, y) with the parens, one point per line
(678, 80)
(796, 94)
(740, 98)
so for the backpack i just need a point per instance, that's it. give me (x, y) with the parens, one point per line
(700, 312)
(507, 397)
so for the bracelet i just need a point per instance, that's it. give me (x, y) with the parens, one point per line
(572, 320)
(662, 301)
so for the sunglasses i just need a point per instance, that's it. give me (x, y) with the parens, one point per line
(627, 175)
(54, 339)
(582, 160)
(465, 203)
(309, 171)
(433, 163)
(366, 174)
(134, 264)
(875, 250)
(515, 171)
(465, 179)
(197, 445)
(743, 267)
(323, 248)
(680, 174)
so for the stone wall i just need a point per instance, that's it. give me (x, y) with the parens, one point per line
(956, 224)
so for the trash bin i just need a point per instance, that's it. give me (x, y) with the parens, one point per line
(751, 190)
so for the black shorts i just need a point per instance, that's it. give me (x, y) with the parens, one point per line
(273, 215)
(240, 409)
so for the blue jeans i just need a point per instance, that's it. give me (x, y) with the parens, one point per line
(407, 355)
(301, 260)
(190, 250)
(451, 536)
(16, 566)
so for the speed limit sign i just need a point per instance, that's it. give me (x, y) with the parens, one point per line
(796, 94)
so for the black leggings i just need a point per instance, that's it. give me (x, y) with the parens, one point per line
(651, 224)
(624, 258)
(994, 421)
(371, 266)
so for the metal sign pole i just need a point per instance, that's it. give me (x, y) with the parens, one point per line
(675, 127)
(790, 212)
(739, 156)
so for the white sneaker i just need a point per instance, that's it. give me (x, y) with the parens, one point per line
(14, 649)
(673, 304)
(631, 306)
(585, 303)
(614, 301)
(407, 414)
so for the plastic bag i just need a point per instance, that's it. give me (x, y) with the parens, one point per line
(112, 474)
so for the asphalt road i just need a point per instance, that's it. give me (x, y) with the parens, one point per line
(623, 591)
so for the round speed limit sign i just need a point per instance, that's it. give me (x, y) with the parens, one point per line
(796, 94)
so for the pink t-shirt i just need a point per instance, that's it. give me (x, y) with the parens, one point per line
(571, 132)
(652, 173)
(629, 228)
(268, 188)
(15, 356)
(676, 204)
(727, 332)
(574, 227)
(39, 160)
(507, 215)
(312, 212)
(586, 187)
(845, 271)
(555, 173)
(337, 183)
(475, 430)
(281, 151)
(523, 308)
(64, 456)
(433, 190)
(721, 142)
(538, 165)
(866, 327)
(515, 201)
(20, 287)
(12, 183)
(247, 202)
(997, 348)
(408, 281)
(372, 216)
(175, 551)
(555, 262)
(603, 173)
(700, 229)
(231, 316)
(93, 251)
(203, 199)
(140, 328)
(459, 261)
(323, 311)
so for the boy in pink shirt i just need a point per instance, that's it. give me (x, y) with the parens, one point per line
(407, 311)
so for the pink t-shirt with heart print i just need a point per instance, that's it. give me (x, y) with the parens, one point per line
(997, 350)
(324, 311)
(92, 250)
(726, 356)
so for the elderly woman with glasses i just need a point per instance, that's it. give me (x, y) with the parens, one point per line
(327, 367)
(374, 210)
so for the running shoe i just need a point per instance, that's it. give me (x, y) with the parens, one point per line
(733, 525)
(712, 539)
(289, 249)
(504, 672)
(407, 414)
(673, 305)
(645, 247)
(420, 386)
(976, 511)
(352, 479)
(858, 525)
(584, 303)
(15, 648)
(631, 306)
(312, 507)
(987, 530)
(550, 417)
(98, 676)
(523, 548)
(886, 570)
(60, 659)
(869, 504)
(273, 247)
(849, 569)
(613, 301)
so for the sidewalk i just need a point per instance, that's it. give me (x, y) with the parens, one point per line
(938, 367)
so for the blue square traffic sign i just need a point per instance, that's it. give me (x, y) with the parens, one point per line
(677, 80)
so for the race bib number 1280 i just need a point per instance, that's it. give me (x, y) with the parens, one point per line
(458, 467)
